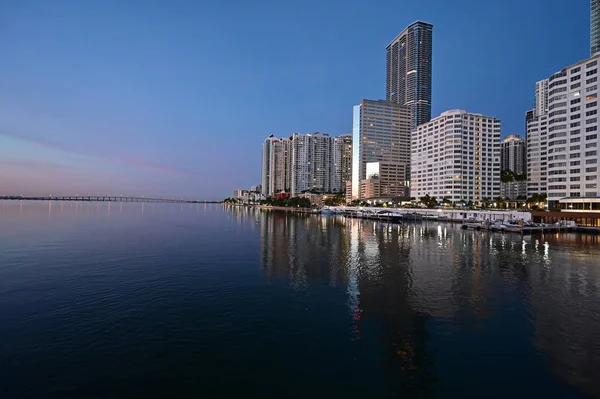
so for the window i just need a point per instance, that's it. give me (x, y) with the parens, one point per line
(591, 121)
(590, 97)
(575, 101)
(575, 163)
(592, 185)
(591, 88)
(575, 109)
(592, 112)
(575, 186)
(575, 178)
(591, 161)
(591, 153)
(588, 81)
(591, 170)
(589, 105)
(576, 116)
(574, 148)
(574, 171)
(590, 64)
(574, 78)
(591, 72)
(588, 178)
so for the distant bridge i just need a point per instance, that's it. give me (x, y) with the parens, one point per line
(102, 198)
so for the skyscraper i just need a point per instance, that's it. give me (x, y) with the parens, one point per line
(281, 159)
(408, 59)
(341, 158)
(457, 156)
(276, 166)
(573, 140)
(381, 133)
(513, 159)
(311, 163)
(595, 27)
(513, 154)
(537, 155)
(266, 164)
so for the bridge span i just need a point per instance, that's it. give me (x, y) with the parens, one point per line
(102, 198)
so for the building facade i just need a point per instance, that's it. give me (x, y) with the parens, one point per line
(457, 156)
(537, 155)
(281, 166)
(594, 27)
(266, 170)
(513, 154)
(380, 133)
(341, 158)
(384, 179)
(541, 97)
(408, 72)
(311, 163)
(513, 166)
(573, 132)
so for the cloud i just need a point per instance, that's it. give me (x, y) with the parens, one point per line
(41, 142)
(124, 160)
(31, 164)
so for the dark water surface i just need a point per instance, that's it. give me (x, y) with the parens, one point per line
(213, 302)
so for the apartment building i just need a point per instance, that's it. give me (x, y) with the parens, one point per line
(457, 156)
(573, 153)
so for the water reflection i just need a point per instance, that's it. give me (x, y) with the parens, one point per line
(444, 302)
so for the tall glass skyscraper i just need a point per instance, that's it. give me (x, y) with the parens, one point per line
(409, 70)
(595, 27)
(381, 134)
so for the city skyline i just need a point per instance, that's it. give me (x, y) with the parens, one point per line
(107, 99)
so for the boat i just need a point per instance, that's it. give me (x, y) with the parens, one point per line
(472, 224)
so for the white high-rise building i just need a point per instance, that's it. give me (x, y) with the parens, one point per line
(266, 170)
(573, 153)
(276, 166)
(281, 168)
(456, 156)
(311, 162)
(537, 155)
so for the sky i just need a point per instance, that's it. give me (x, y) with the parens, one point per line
(174, 98)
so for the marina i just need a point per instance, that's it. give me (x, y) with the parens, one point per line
(500, 221)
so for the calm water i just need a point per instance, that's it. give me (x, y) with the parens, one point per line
(207, 301)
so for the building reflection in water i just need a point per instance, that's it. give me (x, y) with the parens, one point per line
(443, 303)
(371, 262)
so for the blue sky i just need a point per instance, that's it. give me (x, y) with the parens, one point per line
(175, 98)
